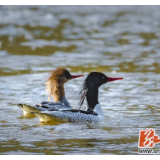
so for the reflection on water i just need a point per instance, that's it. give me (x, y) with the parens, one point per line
(121, 41)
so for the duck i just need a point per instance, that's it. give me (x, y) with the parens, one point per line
(89, 91)
(55, 88)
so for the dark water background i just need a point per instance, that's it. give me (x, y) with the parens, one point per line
(120, 41)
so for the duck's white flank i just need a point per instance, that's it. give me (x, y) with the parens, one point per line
(70, 116)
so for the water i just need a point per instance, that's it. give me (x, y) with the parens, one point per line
(120, 41)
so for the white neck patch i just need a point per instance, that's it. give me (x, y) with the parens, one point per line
(99, 111)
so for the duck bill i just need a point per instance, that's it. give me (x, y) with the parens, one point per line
(113, 79)
(76, 76)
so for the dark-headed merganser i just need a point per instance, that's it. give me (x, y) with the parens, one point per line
(89, 91)
(55, 87)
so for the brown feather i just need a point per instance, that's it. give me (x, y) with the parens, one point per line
(55, 84)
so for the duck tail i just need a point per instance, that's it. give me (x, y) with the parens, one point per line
(27, 109)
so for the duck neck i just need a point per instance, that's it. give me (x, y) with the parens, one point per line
(58, 92)
(92, 98)
(55, 90)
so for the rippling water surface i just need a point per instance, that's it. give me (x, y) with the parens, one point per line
(120, 41)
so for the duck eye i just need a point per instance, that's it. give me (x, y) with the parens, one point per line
(67, 75)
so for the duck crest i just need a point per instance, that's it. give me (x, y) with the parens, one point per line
(55, 84)
(89, 90)
(82, 94)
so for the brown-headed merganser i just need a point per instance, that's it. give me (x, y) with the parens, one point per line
(55, 87)
(89, 91)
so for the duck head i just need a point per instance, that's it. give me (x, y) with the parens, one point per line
(90, 88)
(55, 83)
